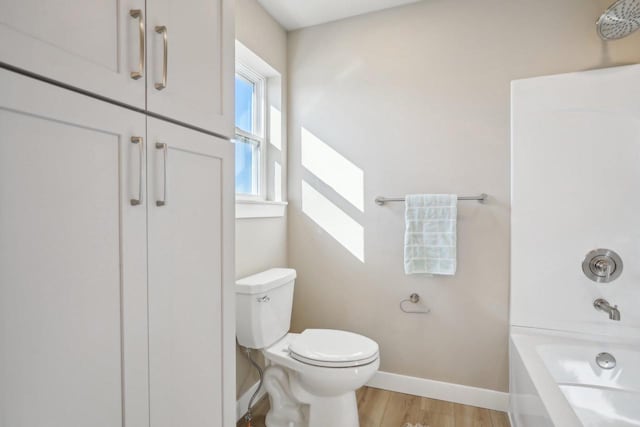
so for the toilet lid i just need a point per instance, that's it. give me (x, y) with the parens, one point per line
(331, 348)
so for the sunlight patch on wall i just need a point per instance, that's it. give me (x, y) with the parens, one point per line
(333, 220)
(275, 127)
(277, 182)
(333, 168)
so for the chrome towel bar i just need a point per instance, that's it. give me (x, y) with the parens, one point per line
(481, 198)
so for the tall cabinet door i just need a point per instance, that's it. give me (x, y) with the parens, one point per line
(73, 328)
(191, 62)
(191, 305)
(93, 45)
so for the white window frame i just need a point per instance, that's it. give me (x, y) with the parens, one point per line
(259, 135)
(252, 66)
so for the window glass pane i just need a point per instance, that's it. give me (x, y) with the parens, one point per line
(244, 103)
(247, 161)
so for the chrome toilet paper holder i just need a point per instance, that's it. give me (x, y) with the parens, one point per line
(413, 299)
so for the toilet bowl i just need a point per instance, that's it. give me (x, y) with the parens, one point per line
(311, 377)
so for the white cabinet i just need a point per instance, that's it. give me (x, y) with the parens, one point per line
(190, 226)
(73, 280)
(179, 53)
(116, 265)
(196, 86)
(93, 45)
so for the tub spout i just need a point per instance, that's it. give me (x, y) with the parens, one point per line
(615, 313)
(603, 305)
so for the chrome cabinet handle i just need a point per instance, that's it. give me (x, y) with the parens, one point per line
(137, 14)
(140, 141)
(161, 29)
(164, 148)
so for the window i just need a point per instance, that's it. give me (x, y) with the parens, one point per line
(249, 140)
(259, 146)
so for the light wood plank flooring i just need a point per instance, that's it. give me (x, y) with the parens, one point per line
(381, 408)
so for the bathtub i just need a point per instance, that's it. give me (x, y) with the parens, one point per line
(555, 380)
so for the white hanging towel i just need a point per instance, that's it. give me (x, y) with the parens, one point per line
(430, 234)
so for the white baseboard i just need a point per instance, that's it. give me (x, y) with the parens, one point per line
(472, 396)
(243, 402)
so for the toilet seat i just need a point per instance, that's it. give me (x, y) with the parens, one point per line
(333, 349)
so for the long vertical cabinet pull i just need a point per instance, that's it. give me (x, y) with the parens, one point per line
(161, 29)
(137, 14)
(140, 141)
(165, 149)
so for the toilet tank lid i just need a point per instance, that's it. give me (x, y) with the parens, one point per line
(265, 281)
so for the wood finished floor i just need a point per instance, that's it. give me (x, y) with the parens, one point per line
(381, 408)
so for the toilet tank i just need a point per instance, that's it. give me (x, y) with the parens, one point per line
(263, 307)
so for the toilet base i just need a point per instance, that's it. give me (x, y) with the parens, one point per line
(334, 411)
(284, 410)
(305, 410)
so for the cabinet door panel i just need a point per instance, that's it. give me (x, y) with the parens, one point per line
(72, 261)
(92, 45)
(191, 337)
(199, 88)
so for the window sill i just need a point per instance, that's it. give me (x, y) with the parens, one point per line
(259, 209)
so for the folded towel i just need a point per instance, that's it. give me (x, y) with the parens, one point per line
(430, 234)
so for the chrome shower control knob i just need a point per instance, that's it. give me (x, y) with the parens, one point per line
(602, 265)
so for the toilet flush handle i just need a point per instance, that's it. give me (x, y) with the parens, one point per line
(263, 299)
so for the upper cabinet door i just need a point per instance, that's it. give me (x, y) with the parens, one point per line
(96, 45)
(191, 62)
(73, 277)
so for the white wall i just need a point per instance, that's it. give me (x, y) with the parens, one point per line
(262, 243)
(583, 131)
(416, 99)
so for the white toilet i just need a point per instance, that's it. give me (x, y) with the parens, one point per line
(311, 377)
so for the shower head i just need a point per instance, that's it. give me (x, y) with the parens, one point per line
(619, 20)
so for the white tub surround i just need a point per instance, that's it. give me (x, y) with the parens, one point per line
(575, 156)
